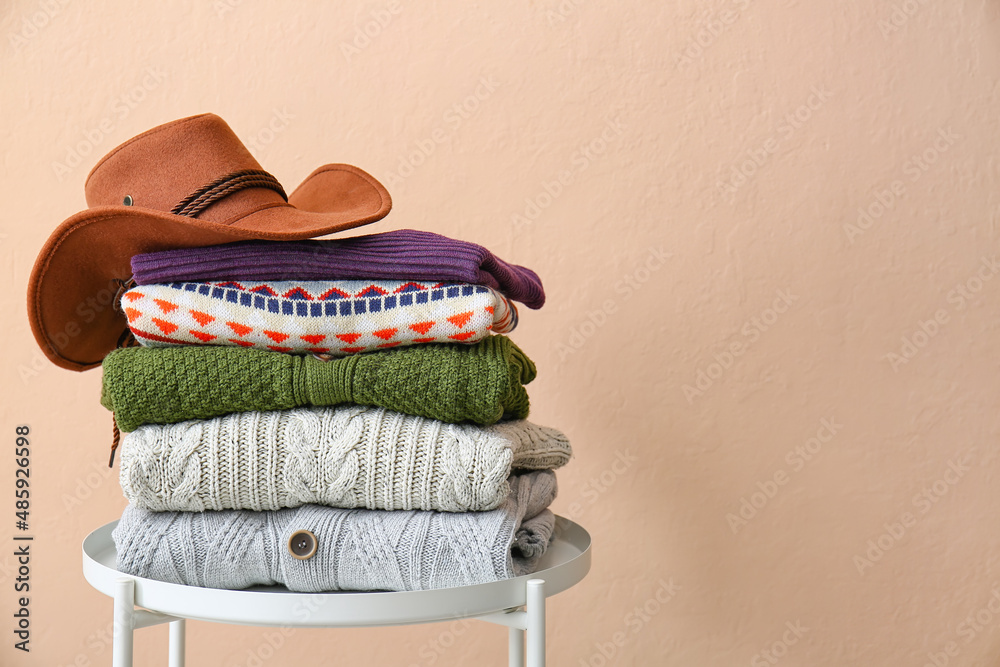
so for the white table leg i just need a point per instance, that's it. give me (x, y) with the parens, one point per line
(124, 629)
(177, 631)
(516, 648)
(536, 622)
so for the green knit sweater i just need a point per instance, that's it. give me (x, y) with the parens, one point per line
(450, 382)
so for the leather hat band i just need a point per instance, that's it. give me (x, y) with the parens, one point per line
(198, 201)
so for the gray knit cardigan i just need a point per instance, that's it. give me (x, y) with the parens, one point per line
(358, 549)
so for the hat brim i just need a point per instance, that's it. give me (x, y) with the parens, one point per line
(72, 286)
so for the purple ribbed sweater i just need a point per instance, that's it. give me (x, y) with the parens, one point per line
(406, 254)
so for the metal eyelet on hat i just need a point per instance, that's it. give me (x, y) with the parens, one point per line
(302, 545)
(128, 200)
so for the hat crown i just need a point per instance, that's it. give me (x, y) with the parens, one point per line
(159, 168)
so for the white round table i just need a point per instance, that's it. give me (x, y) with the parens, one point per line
(517, 603)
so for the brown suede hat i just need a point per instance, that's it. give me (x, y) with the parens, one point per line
(184, 184)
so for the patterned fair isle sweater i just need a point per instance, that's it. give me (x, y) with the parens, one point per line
(335, 317)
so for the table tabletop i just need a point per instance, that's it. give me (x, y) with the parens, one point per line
(564, 564)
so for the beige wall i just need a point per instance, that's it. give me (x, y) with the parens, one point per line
(714, 340)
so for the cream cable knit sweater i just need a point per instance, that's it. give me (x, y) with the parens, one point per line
(346, 457)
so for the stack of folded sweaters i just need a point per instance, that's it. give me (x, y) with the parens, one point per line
(330, 415)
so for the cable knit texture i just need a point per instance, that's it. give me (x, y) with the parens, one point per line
(404, 254)
(341, 457)
(336, 317)
(357, 549)
(482, 383)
